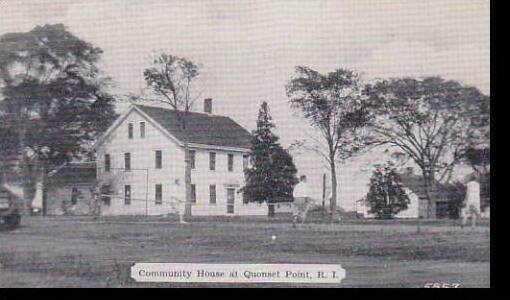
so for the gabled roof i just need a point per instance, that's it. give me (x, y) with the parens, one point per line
(200, 128)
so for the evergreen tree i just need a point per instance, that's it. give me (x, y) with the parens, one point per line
(386, 196)
(272, 175)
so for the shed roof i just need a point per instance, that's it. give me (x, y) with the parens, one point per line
(84, 172)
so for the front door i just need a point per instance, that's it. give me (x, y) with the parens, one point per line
(231, 196)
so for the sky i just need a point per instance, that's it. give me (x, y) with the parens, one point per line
(248, 50)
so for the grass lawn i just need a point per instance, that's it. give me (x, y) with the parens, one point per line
(82, 252)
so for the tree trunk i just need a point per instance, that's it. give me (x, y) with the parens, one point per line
(25, 183)
(323, 195)
(270, 210)
(429, 180)
(43, 184)
(332, 203)
(24, 169)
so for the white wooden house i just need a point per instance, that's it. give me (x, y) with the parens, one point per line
(154, 159)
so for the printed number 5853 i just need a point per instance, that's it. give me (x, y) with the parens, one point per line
(441, 285)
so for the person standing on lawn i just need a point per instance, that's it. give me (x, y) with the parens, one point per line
(302, 200)
(472, 208)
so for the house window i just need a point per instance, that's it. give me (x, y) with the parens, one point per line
(192, 159)
(212, 161)
(74, 196)
(159, 159)
(142, 130)
(159, 194)
(193, 193)
(230, 162)
(127, 194)
(130, 130)
(212, 194)
(107, 163)
(127, 161)
(245, 161)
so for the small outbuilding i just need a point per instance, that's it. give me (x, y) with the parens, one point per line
(69, 190)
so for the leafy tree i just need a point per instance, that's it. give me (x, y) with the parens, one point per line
(333, 105)
(386, 196)
(432, 120)
(52, 97)
(272, 175)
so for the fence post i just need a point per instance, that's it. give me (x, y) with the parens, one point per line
(323, 194)
(146, 192)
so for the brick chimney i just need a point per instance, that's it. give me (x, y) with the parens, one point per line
(208, 105)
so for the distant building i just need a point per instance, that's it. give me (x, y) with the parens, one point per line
(443, 205)
(69, 189)
(284, 207)
(149, 155)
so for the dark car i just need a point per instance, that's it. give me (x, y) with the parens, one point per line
(10, 216)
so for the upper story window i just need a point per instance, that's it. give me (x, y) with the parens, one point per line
(107, 163)
(159, 159)
(159, 194)
(192, 159)
(230, 162)
(127, 161)
(246, 161)
(142, 130)
(130, 130)
(127, 194)
(212, 161)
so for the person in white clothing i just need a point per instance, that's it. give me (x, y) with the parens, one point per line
(472, 208)
(301, 189)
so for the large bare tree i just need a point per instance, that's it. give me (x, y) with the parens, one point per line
(174, 79)
(333, 105)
